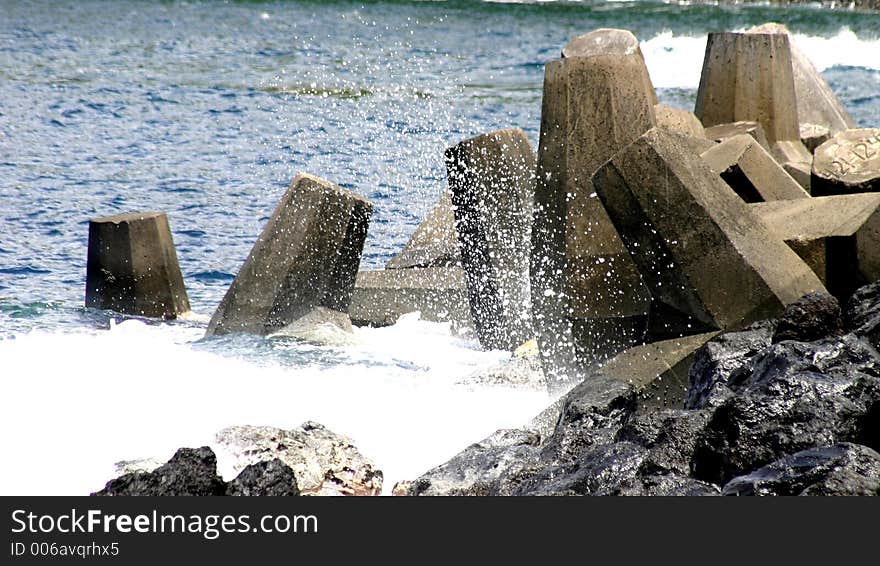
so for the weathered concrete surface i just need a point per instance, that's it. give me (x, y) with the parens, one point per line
(132, 266)
(814, 135)
(435, 241)
(722, 132)
(791, 151)
(438, 293)
(748, 76)
(710, 263)
(324, 462)
(492, 180)
(816, 102)
(679, 121)
(841, 234)
(800, 172)
(751, 171)
(847, 163)
(594, 104)
(307, 256)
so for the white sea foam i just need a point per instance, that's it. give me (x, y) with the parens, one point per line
(675, 61)
(73, 404)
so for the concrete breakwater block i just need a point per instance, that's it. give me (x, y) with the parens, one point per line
(751, 171)
(814, 135)
(847, 163)
(434, 243)
(722, 132)
(709, 262)
(306, 257)
(679, 121)
(597, 99)
(838, 236)
(816, 102)
(748, 76)
(440, 294)
(132, 266)
(492, 180)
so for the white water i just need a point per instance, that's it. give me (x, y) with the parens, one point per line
(73, 404)
(675, 61)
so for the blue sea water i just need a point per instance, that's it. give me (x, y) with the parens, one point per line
(206, 110)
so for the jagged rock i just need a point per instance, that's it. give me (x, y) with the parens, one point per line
(132, 266)
(862, 315)
(324, 463)
(273, 478)
(841, 469)
(191, 471)
(434, 242)
(670, 437)
(307, 256)
(791, 397)
(812, 317)
(847, 163)
(719, 358)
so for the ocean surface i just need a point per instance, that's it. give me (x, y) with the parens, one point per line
(207, 110)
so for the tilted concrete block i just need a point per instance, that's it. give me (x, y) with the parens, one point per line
(679, 121)
(722, 132)
(492, 180)
(709, 262)
(434, 242)
(847, 163)
(306, 257)
(132, 266)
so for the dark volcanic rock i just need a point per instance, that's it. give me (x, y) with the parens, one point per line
(812, 317)
(721, 356)
(841, 469)
(862, 316)
(191, 471)
(273, 478)
(796, 396)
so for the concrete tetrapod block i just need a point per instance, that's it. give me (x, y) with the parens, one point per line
(434, 243)
(440, 294)
(800, 172)
(710, 263)
(748, 76)
(595, 102)
(492, 180)
(816, 102)
(838, 236)
(722, 132)
(813, 135)
(847, 163)
(132, 266)
(680, 121)
(306, 257)
(751, 171)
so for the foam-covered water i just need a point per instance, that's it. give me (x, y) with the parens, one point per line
(206, 110)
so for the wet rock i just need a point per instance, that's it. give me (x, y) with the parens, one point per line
(715, 362)
(271, 479)
(434, 242)
(862, 315)
(794, 396)
(191, 471)
(307, 256)
(670, 437)
(669, 485)
(491, 178)
(840, 469)
(812, 317)
(324, 463)
(132, 266)
(321, 326)
(709, 262)
(439, 294)
(847, 163)
(518, 371)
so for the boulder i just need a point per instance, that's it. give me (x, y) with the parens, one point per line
(324, 463)
(491, 178)
(812, 317)
(435, 241)
(816, 102)
(132, 266)
(710, 263)
(438, 293)
(839, 469)
(751, 171)
(849, 162)
(678, 120)
(306, 257)
(837, 236)
(597, 99)
(862, 313)
(722, 132)
(191, 471)
(269, 479)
